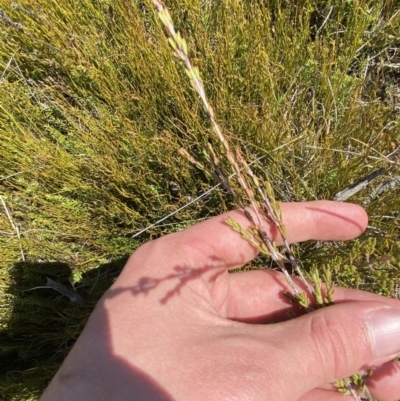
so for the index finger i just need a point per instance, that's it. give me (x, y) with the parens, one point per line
(318, 220)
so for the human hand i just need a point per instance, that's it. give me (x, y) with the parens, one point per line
(176, 326)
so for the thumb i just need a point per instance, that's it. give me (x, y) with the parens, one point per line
(338, 341)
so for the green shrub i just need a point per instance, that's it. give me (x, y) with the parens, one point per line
(93, 110)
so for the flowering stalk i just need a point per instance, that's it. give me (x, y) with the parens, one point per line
(258, 193)
(268, 209)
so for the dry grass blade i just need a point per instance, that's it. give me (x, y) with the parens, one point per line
(14, 227)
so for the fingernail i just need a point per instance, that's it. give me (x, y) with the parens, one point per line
(384, 330)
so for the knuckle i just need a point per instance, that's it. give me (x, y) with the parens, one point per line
(332, 343)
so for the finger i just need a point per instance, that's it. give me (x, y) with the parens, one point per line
(207, 249)
(336, 342)
(384, 384)
(258, 297)
(320, 220)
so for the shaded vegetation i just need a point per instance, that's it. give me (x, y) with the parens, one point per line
(93, 110)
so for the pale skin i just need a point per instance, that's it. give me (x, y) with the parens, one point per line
(177, 326)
